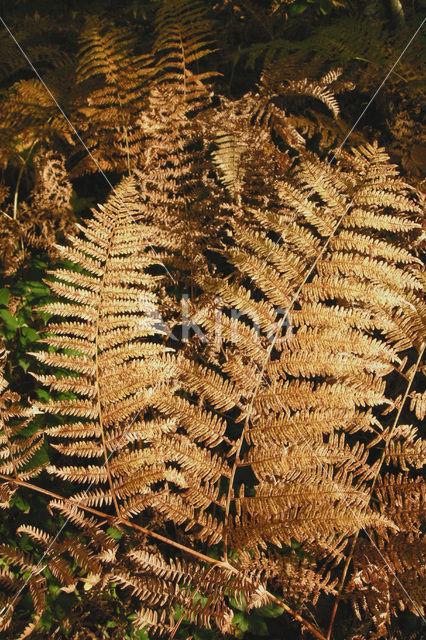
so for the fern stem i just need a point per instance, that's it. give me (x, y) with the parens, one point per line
(373, 484)
(196, 554)
(9, 446)
(98, 394)
(297, 617)
(18, 182)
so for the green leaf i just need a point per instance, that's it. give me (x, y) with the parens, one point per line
(9, 320)
(46, 619)
(40, 264)
(39, 458)
(250, 622)
(240, 604)
(257, 626)
(4, 296)
(24, 364)
(25, 543)
(111, 624)
(241, 621)
(297, 8)
(19, 289)
(43, 395)
(54, 590)
(38, 288)
(114, 533)
(30, 334)
(19, 502)
(270, 611)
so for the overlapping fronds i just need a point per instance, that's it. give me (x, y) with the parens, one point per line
(297, 110)
(313, 351)
(366, 48)
(167, 585)
(29, 114)
(202, 471)
(366, 43)
(70, 560)
(323, 300)
(114, 83)
(389, 572)
(173, 171)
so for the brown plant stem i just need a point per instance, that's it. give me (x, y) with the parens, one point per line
(98, 392)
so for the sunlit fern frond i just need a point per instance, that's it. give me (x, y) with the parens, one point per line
(107, 311)
(347, 313)
(129, 432)
(153, 580)
(173, 168)
(184, 36)
(227, 158)
(30, 115)
(392, 567)
(299, 110)
(299, 89)
(418, 404)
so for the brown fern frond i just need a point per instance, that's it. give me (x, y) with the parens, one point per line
(114, 82)
(183, 38)
(327, 374)
(399, 584)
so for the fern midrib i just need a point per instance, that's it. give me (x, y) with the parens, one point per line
(97, 375)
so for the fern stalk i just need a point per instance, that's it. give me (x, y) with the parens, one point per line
(18, 182)
(106, 456)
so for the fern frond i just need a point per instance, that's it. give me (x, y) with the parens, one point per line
(183, 38)
(227, 158)
(115, 82)
(327, 374)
